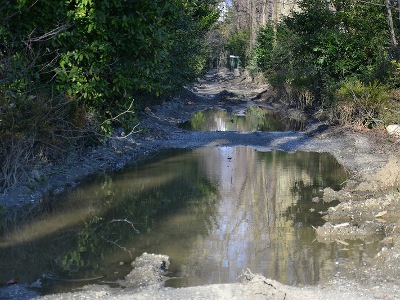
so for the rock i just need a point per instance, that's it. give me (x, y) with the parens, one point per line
(330, 195)
(387, 242)
(393, 129)
(381, 214)
(210, 77)
(389, 175)
(148, 271)
(36, 284)
(345, 231)
(315, 199)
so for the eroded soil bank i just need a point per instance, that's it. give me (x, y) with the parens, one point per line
(370, 200)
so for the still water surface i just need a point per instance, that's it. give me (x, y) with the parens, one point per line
(252, 119)
(214, 211)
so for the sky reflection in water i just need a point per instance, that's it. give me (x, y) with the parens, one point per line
(214, 211)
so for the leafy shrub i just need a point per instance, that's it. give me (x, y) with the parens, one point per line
(315, 49)
(360, 104)
(56, 91)
(264, 47)
(238, 44)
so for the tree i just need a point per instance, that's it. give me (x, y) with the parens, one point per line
(393, 38)
(89, 59)
(253, 14)
(327, 43)
(131, 49)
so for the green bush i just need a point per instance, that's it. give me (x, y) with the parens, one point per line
(56, 90)
(142, 49)
(360, 104)
(316, 48)
(264, 48)
(238, 44)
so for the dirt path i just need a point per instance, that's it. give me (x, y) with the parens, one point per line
(370, 201)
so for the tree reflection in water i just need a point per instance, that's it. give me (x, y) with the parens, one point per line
(252, 119)
(251, 229)
(214, 211)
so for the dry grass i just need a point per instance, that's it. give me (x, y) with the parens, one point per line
(16, 155)
(37, 129)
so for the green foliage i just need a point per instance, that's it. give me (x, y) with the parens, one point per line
(131, 49)
(263, 50)
(271, 56)
(317, 47)
(136, 49)
(360, 104)
(238, 44)
(84, 61)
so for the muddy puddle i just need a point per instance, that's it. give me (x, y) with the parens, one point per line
(215, 211)
(254, 118)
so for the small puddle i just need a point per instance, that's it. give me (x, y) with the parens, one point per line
(214, 211)
(252, 119)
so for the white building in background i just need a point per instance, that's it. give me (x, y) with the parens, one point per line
(223, 9)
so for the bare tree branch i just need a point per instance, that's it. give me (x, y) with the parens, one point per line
(48, 35)
(127, 221)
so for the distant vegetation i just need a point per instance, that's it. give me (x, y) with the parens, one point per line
(69, 68)
(338, 55)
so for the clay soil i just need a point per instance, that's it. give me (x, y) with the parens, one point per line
(369, 201)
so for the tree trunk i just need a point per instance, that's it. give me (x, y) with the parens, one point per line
(398, 9)
(276, 19)
(251, 23)
(264, 12)
(395, 46)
